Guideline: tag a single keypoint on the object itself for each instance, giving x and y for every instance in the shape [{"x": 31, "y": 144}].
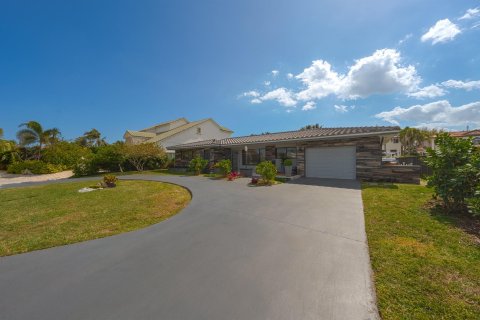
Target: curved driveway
[{"x": 292, "y": 251}]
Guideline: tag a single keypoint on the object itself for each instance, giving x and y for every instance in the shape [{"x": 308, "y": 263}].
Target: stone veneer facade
[{"x": 368, "y": 158}]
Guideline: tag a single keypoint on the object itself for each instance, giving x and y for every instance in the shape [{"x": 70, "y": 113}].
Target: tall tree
[
  {"x": 53, "y": 135},
  {"x": 32, "y": 133},
  {"x": 92, "y": 138}
]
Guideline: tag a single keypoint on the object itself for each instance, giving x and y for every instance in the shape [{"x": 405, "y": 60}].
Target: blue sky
[{"x": 253, "y": 66}]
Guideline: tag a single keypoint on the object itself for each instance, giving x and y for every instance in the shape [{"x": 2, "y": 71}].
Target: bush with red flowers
[{"x": 233, "y": 175}]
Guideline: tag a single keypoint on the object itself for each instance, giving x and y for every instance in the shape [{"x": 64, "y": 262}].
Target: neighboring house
[
  {"x": 474, "y": 134},
  {"x": 341, "y": 153},
  {"x": 392, "y": 147},
  {"x": 176, "y": 132}
]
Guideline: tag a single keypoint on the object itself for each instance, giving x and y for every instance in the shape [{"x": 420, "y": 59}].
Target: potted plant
[
  {"x": 110, "y": 180},
  {"x": 287, "y": 163}
]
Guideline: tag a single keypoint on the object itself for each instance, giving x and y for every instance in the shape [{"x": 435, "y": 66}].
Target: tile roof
[
  {"x": 291, "y": 135},
  {"x": 461, "y": 134}
]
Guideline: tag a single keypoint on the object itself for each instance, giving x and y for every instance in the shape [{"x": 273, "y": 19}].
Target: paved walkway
[
  {"x": 14, "y": 180},
  {"x": 291, "y": 251}
]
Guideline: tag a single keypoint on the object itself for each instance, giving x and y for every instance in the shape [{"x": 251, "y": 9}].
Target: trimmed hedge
[{"x": 35, "y": 167}]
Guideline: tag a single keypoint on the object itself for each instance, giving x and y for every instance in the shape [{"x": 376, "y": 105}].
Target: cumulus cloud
[
  {"x": 290, "y": 75},
  {"x": 431, "y": 91},
  {"x": 310, "y": 105},
  {"x": 379, "y": 73},
  {"x": 456, "y": 84},
  {"x": 470, "y": 14},
  {"x": 266, "y": 83},
  {"x": 435, "y": 114},
  {"x": 342, "y": 108},
  {"x": 283, "y": 96},
  {"x": 443, "y": 31},
  {"x": 275, "y": 73}
]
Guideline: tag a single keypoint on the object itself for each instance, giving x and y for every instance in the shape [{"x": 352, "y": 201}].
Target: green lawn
[
  {"x": 424, "y": 266},
  {"x": 33, "y": 218}
]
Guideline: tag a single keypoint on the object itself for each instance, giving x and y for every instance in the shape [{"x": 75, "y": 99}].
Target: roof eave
[{"x": 368, "y": 134}]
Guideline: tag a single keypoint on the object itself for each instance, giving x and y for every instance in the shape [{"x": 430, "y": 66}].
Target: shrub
[
  {"x": 455, "y": 170},
  {"x": 110, "y": 157},
  {"x": 225, "y": 166},
  {"x": 110, "y": 180},
  {"x": 197, "y": 165},
  {"x": 287, "y": 162},
  {"x": 267, "y": 170},
  {"x": 64, "y": 153},
  {"x": 35, "y": 167},
  {"x": 85, "y": 166}
]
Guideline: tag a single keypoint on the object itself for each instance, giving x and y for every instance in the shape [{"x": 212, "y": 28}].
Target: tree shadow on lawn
[
  {"x": 379, "y": 185},
  {"x": 460, "y": 219}
]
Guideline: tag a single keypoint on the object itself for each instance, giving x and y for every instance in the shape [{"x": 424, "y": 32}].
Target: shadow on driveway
[{"x": 332, "y": 183}]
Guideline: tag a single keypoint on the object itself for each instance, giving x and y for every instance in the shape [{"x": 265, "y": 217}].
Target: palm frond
[
  {"x": 27, "y": 137},
  {"x": 34, "y": 126}
]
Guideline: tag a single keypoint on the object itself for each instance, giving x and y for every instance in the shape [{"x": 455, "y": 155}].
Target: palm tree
[
  {"x": 53, "y": 135},
  {"x": 33, "y": 133},
  {"x": 92, "y": 138}
]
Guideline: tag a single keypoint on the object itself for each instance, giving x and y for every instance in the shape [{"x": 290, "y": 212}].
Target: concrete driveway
[{"x": 292, "y": 251}]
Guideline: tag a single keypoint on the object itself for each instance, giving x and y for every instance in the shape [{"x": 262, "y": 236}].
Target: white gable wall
[{"x": 209, "y": 130}]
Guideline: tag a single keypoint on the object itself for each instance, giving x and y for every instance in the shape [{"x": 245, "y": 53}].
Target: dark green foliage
[
  {"x": 267, "y": 170},
  {"x": 197, "y": 165},
  {"x": 225, "y": 166},
  {"x": 85, "y": 166},
  {"x": 287, "y": 162},
  {"x": 35, "y": 167},
  {"x": 455, "y": 170},
  {"x": 110, "y": 157},
  {"x": 64, "y": 153}
]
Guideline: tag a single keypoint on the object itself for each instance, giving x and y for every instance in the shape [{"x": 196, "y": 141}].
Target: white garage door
[{"x": 330, "y": 162}]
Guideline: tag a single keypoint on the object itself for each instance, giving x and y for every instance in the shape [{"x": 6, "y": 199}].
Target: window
[
  {"x": 186, "y": 155},
  {"x": 395, "y": 140},
  {"x": 253, "y": 156},
  {"x": 199, "y": 130},
  {"x": 286, "y": 153}
]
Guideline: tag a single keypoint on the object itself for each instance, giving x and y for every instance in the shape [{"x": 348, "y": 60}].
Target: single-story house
[
  {"x": 339, "y": 153},
  {"x": 178, "y": 131}
]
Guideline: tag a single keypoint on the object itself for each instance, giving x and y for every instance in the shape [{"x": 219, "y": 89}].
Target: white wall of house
[
  {"x": 204, "y": 131},
  {"x": 392, "y": 147}
]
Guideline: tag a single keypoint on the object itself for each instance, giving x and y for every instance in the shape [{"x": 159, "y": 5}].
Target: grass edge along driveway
[
  {"x": 424, "y": 266},
  {"x": 39, "y": 217}
]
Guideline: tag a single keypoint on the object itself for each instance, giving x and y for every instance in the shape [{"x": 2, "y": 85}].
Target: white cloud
[
  {"x": 456, "y": 84},
  {"x": 320, "y": 81},
  {"x": 282, "y": 96},
  {"x": 310, "y": 105},
  {"x": 266, "y": 83},
  {"x": 256, "y": 101},
  {"x": 471, "y": 13},
  {"x": 289, "y": 75},
  {"x": 342, "y": 108},
  {"x": 443, "y": 31},
  {"x": 379, "y": 73},
  {"x": 405, "y": 39},
  {"x": 434, "y": 114},
  {"x": 251, "y": 93},
  {"x": 275, "y": 73},
  {"x": 430, "y": 91}
]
